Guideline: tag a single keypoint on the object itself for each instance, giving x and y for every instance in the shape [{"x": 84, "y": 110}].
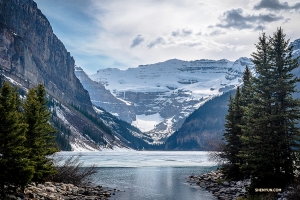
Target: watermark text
[{"x": 267, "y": 189}]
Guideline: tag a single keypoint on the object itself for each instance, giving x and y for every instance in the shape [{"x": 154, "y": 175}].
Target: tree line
[
  {"x": 26, "y": 138},
  {"x": 261, "y": 134}
]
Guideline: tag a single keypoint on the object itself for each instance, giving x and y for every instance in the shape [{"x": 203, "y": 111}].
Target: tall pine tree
[
  {"x": 269, "y": 134},
  {"x": 15, "y": 168},
  {"x": 285, "y": 107},
  {"x": 40, "y": 140}
]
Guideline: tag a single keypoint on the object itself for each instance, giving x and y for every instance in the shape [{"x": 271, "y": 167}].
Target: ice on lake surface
[{"x": 143, "y": 158}]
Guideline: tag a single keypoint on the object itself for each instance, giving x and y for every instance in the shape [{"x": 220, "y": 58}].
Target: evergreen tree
[
  {"x": 269, "y": 133},
  {"x": 48, "y": 130},
  {"x": 232, "y": 137},
  {"x": 40, "y": 140},
  {"x": 258, "y": 130},
  {"x": 15, "y": 169},
  {"x": 285, "y": 108}
]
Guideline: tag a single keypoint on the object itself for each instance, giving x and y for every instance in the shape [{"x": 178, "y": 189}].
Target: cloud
[
  {"x": 186, "y": 32},
  {"x": 260, "y": 28},
  {"x": 193, "y": 44},
  {"x": 156, "y": 42},
  {"x": 275, "y": 5},
  {"x": 182, "y": 32},
  {"x": 176, "y": 33},
  {"x": 137, "y": 41},
  {"x": 141, "y": 32},
  {"x": 236, "y": 19},
  {"x": 216, "y": 32}
]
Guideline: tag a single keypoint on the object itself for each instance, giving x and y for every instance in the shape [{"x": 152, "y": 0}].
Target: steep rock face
[{"x": 30, "y": 53}]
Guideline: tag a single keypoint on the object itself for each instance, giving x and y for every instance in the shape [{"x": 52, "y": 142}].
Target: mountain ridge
[{"x": 160, "y": 96}]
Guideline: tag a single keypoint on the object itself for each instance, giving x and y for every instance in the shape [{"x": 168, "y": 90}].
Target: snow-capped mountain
[{"x": 160, "y": 96}]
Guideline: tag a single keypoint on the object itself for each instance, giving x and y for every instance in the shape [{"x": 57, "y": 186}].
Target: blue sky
[{"x": 127, "y": 33}]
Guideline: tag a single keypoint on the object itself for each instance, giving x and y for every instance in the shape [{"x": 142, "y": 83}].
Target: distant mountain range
[
  {"x": 157, "y": 98},
  {"x": 180, "y": 103}
]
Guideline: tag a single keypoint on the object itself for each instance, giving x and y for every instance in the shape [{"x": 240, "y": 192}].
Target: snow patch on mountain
[
  {"x": 161, "y": 95},
  {"x": 79, "y": 146},
  {"x": 147, "y": 122}
]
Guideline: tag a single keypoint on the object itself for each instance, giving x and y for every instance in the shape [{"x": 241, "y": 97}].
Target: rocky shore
[
  {"x": 221, "y": 189},
  {"x": 61, "y": 191},
  {"x": 233, "y": 190}
]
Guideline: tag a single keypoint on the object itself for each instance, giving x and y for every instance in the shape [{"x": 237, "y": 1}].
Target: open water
[{"x": 149, "y": 175}]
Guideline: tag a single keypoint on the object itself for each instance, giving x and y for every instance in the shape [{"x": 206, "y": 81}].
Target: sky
[{"x": 128, "y": 33}]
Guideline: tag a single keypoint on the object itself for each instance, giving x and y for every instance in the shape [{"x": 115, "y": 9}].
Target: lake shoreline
[
  {"x": 223, "y": 190},
  {"x": 228, "y": 190}
]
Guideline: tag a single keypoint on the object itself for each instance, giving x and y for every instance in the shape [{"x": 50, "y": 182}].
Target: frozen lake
[{"x": 149, "y": 175}]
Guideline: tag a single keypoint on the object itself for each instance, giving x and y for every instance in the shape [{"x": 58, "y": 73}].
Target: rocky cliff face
[{"x": 30, "y": 53}]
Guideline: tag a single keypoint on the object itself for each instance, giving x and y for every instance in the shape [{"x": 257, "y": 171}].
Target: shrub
[{"x": 72, "y": 171}]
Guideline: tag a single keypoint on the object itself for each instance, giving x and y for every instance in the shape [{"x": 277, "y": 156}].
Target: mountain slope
[
  {"x": 126, "y": 133},
  {"x": 202, "y": 126},
  {"x": 103, "y": 98},
  {"x": 160, "y": 96}
]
